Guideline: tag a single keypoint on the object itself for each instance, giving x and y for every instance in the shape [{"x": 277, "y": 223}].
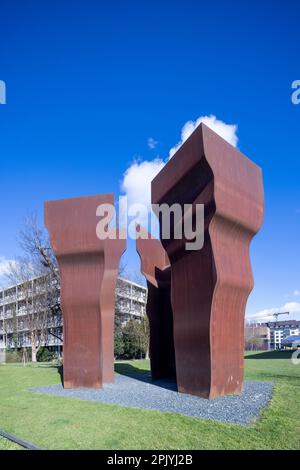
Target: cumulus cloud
[
  {"x": 136, "y": 186},
  {"x": 5, "y": 265},
  {"x": 152, "y": 143},
  {"x": 227, "y": 131},
  {"x": 137, "y": 179},
  {"x": 267, "y": 314},
  {"x": 136, "y": 183}
]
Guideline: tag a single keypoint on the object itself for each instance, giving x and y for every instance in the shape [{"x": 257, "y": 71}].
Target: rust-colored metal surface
[
  {"x": 155, "y": 266},
  {"x": 88, "y": 269},
  {"x": 210, "y": 286}
]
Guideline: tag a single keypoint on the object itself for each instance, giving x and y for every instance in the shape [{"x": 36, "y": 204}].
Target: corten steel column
[
  {"x": 88, "y": 270},
  {"x": 210, "y": 287},
  {"x": 155, "y": 266}
]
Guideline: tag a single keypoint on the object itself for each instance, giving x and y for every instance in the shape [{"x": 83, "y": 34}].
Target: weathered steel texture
[
  {"x": 210, "y": 287},
  {"x": 88, "y": 269},
  {"x": 155, "y": 266}
]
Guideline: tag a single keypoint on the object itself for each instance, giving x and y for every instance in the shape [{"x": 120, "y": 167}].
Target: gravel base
[{"x": 162, "y": 396}]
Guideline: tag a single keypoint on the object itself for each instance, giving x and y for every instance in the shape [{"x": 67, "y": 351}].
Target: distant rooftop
[{"x": 294, "y": 323}]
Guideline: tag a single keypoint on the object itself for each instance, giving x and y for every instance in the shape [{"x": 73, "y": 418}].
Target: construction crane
[{"x": 276, "y": 315}]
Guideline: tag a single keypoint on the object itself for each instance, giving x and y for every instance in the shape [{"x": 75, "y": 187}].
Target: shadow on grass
[
  {"x": 294, "y": 380},
  {"x": 132, "y": 371},
  {"x": 129, "y": 370},
  {"x": 270, "y": 355},
  {"x": 144, "y": 375},
  {"x": 59, "y": 369}
]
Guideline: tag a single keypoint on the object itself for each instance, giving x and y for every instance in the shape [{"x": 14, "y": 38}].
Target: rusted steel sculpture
[
  {"x": 88, "y": 269},
  {"x": 155, "y": 266},
  {"x": 210, "y": 286}
]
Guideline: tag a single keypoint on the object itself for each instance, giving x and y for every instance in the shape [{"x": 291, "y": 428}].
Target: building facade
[
  {"x": 270, "y": 335},
  {"x": 17, "y": 301},
  {"x": 257, "y": 337},
  {"x": 281, "y": 330},
  {"x": 131, "y": 299}
]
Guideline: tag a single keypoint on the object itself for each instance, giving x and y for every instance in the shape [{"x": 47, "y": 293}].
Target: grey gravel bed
[{"x": 162, "y": 396}]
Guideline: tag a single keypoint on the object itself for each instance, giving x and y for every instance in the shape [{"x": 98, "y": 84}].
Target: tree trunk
[
  {"x": 33, "y": 354},
  {"x": 34, "y": 349},
  {"x": 147, "y": 355}
]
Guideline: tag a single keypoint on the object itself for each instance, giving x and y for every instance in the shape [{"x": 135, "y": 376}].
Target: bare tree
[
  {"x": 256, "y": 337},
  {"x": 38, "y": 277},
  {"x": 37, "y": 274},
  {"x": 35, "y": 243},
  {"x": 135, "y": 276}
]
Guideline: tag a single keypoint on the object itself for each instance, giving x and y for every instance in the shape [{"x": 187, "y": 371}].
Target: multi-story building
[
  {"x": 131, "y": 300},
  {"x": 17, "y": 301},
  {"x": 281, "y": 330},
  {"x": 270, "y": 335},
  {"x": 257, "y": 337}
]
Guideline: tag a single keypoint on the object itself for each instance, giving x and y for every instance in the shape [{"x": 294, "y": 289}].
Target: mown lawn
[
  {"x": 63, "y": 423},
  {"x": 7, "y": 445}
]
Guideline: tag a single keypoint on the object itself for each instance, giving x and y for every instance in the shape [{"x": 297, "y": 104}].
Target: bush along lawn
[{"x": 62, "y": 423}]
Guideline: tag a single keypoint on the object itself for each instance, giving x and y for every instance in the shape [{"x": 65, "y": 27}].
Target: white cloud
[
  {"x": 152, "y": 143},
  {"x": 4, "y": 265},
  {"x": 296, "y": 293},
  {"x": 267, "y": 314},
  {"x": 227, "y": 131},
  {"x": 136, "y": 183},
  {"x": 137, "y": 179}
]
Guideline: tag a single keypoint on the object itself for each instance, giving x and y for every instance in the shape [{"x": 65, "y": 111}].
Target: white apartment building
[
  {"x": 131, "y": 299},
  {"x": 130, "y": 304},
  {"x": 281, "y": 330}
]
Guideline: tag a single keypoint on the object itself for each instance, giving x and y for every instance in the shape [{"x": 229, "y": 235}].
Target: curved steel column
[
  {"x": 155, "y": 266},
  {"x": 210, "y": 287},
  {"x": 88, "y": 270}
]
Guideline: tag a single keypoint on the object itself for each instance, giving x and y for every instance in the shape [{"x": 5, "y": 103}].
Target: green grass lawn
[
  {"x": 7, "y": 445},
  {"x": 64, "y": 423}
]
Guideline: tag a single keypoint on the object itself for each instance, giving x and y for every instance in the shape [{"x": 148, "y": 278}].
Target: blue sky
[{"x": 88, "y": 83}]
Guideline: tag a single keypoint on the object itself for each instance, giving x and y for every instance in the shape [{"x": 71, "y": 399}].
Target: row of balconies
[
  {"x": 7, "y": 313},
  {"x": 23, "y": 338},
  {"x": 17, "y": 294},
  {"x": 13, "y": 298},
  {"x": 138, "y": 298},
  {"x": 131, "y": 311},
  {"x": 6, "y": 326},
  {"x": 286, "y": 333},
  {"x": 27, "y": 344},
  {"x": 131, "y": 293},
  {"x": 135, "y": 296},
  {"x": 9, "y": 329},
  {"x": 124, "y": 304}
]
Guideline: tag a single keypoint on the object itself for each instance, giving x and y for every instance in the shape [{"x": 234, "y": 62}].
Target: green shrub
[
  {"x": 13, "y": 355},
  {"x": 44, "y": 355}
]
